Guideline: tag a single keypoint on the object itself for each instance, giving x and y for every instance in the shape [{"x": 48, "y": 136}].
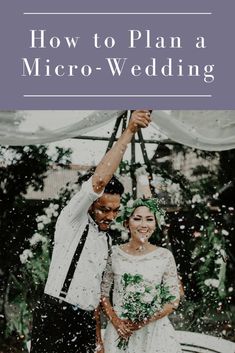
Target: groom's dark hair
[{"x": 114, "y": 186}]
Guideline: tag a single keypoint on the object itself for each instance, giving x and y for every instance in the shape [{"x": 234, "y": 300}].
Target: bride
[{"x": 153, "y": 265}]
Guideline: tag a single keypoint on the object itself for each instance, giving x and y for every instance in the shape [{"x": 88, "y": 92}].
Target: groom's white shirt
[{"x": 84, "y": 290}]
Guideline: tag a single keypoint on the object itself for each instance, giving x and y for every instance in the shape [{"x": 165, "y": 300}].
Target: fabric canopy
[{"x": 206, "y": 129}]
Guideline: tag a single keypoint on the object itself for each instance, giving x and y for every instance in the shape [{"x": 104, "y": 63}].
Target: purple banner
[{"x": 105, "y": 55}]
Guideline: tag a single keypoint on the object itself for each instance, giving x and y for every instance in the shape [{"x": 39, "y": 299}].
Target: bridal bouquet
[{"x": 141, "y": 300}]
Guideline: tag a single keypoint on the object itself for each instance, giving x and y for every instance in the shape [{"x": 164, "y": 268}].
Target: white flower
[
  {"x": 130, "y": 203},
  {"x": 217, "y": 246},
  {"x": 207, "y": 282},
  {"x": 49, "y": 212},
  {"x": 212, "y": 282},
  {"x": 223, "y": 253},
  {"x": 39, "y": 219},
  {"x": 196, "y": 198},
  {"x": 40, "y": 226},
  {"x": 52, "y": 210},
  {"x": 45, "y": 219},
  {"x": 147, "y": 298},
  {"x": 161, "y": 220},
  {"x": 219, "y": 261},
  {"x": 140, "y": 288},
  {"x": 225, "y": 232},
  {"x": 26, "y": 254},
  {"x": 133, "y": 288},
  {"x": 215, "y": 283},
  {"x": 130, "y": 288},
  {"x": 36, "y": 238}
]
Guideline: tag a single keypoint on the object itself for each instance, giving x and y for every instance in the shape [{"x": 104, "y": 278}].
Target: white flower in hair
[{"x": 130, "y": 203}]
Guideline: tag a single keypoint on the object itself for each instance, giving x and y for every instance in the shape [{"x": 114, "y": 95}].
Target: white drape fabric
[
  {"x": 44, "y": 126},
  {"x": 212, "y": 130}
]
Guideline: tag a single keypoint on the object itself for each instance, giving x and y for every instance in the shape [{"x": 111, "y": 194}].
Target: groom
[{"x": 64, "y": 319}]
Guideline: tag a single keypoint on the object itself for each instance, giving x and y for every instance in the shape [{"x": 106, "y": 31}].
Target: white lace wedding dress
[{"x": 156, "y": 267}]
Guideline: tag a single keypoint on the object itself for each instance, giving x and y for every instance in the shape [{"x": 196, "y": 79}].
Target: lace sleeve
[
  {"x": 107, "y": 279},
  {"x": 170, "y": 277}
]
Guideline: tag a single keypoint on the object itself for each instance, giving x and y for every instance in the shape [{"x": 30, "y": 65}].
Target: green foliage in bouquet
[{"x": 141, "y": 300}]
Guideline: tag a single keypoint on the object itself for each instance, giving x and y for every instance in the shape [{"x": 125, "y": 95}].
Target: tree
[{"x": 20, "y": 167}]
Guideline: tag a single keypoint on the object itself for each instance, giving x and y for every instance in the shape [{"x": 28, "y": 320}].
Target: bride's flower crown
[{"x": 152, "y": 204}]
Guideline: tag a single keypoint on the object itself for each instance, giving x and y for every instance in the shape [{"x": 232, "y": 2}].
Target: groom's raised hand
[{"x": 139, "y": 119}]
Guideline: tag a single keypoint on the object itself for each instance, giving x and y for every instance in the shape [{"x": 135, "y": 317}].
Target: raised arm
[{"x": 110, "y": 162}]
